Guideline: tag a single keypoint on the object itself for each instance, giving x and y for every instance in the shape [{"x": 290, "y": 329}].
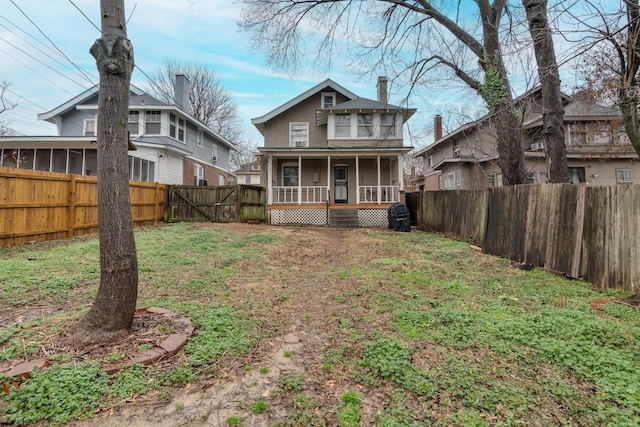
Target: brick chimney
[
  {"x": 437, "y": 127},
  {"x": 181, "y": 97},
  {"x": 383, "y": 96}
]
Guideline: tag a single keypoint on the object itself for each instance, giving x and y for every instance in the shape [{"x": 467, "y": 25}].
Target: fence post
[
  {"x": 156, "y": 200},
  {"x": 72, "y": 205}
]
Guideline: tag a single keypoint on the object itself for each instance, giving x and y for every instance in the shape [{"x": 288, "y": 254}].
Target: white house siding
[{"x": 170, "y": 169}]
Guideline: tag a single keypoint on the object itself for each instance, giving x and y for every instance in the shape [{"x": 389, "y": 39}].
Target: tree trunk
[
  {"x": 111, "y": 314},
  {"x": 552, "y": 109},
  {"x": 496, "y": 91},
  {"x": 629, "y": 91}
]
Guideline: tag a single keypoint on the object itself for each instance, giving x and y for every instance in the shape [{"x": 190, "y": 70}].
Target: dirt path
[{"x": 297, "y": 301}]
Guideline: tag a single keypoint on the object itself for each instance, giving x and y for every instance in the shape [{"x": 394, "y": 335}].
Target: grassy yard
[{"x": 389, "y": 329}]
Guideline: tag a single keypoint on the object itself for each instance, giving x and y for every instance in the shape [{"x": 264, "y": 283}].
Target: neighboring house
[
  {"x": 167, "y": 144},
  {"x": 249, "y": 173},
  {"x": 328, "y": 149},
  {"x": 598, "y": 150}
]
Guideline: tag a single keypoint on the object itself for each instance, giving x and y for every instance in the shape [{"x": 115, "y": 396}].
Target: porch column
[
  {"x": 329, "y": 179},
  {"x": 379, "y": 189},
  {"x": 269, "y": 179},
  {"x": 400, "y": 172},
  {"x": 299, "y": 180},
  {"x": 357, "y": 180}
]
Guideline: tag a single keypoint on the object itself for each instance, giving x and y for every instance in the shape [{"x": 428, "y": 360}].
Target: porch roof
[{"x": 336, "y": 151}]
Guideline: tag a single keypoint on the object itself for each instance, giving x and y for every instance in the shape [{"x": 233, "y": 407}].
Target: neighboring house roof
[
  {"x": 361, "y": 104},
  {"x": 138, "y": 98},
  {"x": 258, "y": 122},
  {"x": 247, "y": 169},
  {"x": 579, "y": 110}
]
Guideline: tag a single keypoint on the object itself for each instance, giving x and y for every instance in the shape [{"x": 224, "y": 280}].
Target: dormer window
[{"x": 328, "y": 100}]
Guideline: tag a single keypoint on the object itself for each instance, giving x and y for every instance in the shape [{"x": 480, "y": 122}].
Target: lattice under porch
[{"x": 371, "y": 215}]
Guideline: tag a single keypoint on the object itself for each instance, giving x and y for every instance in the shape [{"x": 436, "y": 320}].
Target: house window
[
  {"x": 343, "y": 126},
  {"x": 198, "y": 175},
  {"x": 388, "y": 125},
  {"x": 200, "y": 137},
  {"x": 451, "y": 181},
  {"x": 89, "y": 128},
  {"x": 255, "y": 167},
  {"x": 290, "y": 176},
  {"x": 214, "y": 156},
  {"x": 577, "y": 134},
  {"x": 221, "y": 180},
  {"x": 152, "y": 122},
  {"x": 576, "y": 175},
  {"x": 172, "y": 125},
  {"x": 623, "y": 175},
  {"x": 43, "y": 159},
  {"x": 26, "y": 157},
  {"x": 181, "y": 130},
  {"x": 430, "y": 160},
  {"x": 10, "y": 157},
  {"x": 328, "y": 100},
  {"x": 299, "y": 134},
  {"x": 247, "y": 179},
  {"x": 133, "y": 125},
  {"x": 365, "y": 125}
]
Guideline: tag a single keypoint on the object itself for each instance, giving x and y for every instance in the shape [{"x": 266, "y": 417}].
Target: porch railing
[
  {"x": 369, "y": 194},
  {"x": 308, "y": 194}
]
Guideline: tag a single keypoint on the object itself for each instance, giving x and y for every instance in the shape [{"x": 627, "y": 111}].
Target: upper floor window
[
  {"x": 214, "y": 157},
  {"x": 343, "y": 125},
  {"x": 255, "y": 167},
  {"x": 200, "y": 137},
  {"x": 388, "y": 125},
  {"x": 133, "y": 125},
  {"x": 365, "y": 125},
  {"x": 152, "y": 122},
  {"x": 623, "y": 175},
  {"x": 328, "y": 100},
  {"x": 577, "y": 134},
  {"x": 181, "y": 130},
  {"x": 172, "y": 125},
  {"x": 89, "y": 127},
  {"x": 430, "y": 160},
  {"x": 299, "y": 134}
]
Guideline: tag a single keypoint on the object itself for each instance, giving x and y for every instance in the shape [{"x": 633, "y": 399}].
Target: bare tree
[
  {"x": 5, "y": 105},
  {"x": 552, "y": 109},
  {"x": 610, "y": 69},
  {"x": 409, "y": 40},
  {"x": 111, "y": 314},
  {"x": 210, "y": 103}
]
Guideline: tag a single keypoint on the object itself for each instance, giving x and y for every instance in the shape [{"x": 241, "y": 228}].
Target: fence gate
[{"x": 215, "y": 204}]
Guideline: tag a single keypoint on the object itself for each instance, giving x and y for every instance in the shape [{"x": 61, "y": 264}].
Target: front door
[{"x": 340, "y": 184}]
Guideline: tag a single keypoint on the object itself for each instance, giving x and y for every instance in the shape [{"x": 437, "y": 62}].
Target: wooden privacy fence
[
  {"x": 216, "y": 204},
  {"x": 36, "y": 206},
  {"x": 581, "y": 231}
]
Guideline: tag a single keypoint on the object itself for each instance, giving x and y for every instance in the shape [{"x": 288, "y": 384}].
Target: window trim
[
  {"x": 620, "y": 173},
  {"x": 292, "y": 141},
  {"x": 370, "y": 135},
  {"x": 328, "y": 94},
  {"x": 84, "y": 127},
  {"x": 198, "y": 173}
]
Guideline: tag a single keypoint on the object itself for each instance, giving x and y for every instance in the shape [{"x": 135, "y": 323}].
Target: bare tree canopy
[
  {"x": 5, "y": 105},
  {"x": 111, "y": 314},
  {"x": 412, "y": 41},
  {"x": 610, "y": 69},
  {"x": 210, "y": 103}
]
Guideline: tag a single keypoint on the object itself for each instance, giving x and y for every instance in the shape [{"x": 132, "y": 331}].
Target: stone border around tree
[{"x": 19, "y": 369}]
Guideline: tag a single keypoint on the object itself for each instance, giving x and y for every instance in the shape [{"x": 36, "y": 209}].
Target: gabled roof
[
  {"x": 259, "y": 122},
  {"x": 70, "y": 104}
]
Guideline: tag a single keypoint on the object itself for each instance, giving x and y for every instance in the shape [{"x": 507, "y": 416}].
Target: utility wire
[{"x": 54, "y": 45}]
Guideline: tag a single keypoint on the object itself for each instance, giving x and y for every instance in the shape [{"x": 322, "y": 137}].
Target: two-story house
[
  {"x": 598, "y": 150},
  {"x": 167, "y": 144},
  {"x": 328, "y": 149},
  {"x": 248, "y": 173}
]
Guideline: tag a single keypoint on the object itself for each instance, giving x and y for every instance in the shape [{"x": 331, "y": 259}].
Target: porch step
[{"x": 344, "y": 218}]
